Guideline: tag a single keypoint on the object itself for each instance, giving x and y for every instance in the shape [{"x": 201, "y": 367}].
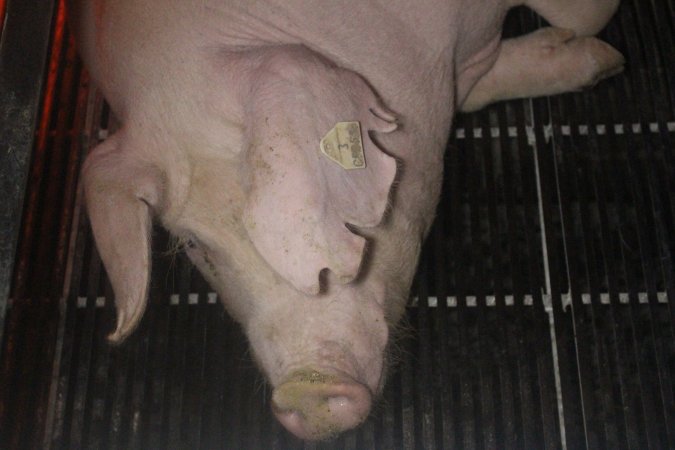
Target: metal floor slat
[
  {"x": 617, "y": 207},
  {"x": 416, "y": 394}
]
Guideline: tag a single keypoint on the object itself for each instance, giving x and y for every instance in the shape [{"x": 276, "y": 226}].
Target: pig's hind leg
[{"x": 545, "y": 62}]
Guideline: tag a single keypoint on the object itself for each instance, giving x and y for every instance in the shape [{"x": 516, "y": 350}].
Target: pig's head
[{"x": 301, "y": 249}]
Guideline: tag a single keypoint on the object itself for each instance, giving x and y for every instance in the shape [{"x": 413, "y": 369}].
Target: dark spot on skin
[
  {"x": 209, "y": 263},
  {"x": 313, "y": 377}
]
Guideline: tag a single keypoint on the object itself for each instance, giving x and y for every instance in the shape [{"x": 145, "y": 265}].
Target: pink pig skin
[{"x": 222, "y": 105}]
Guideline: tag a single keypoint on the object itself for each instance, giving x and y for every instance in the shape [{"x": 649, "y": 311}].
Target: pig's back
[{"x": 137, "y": 47}]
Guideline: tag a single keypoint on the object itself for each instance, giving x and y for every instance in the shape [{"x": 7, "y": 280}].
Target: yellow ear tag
[{"x": 343, "y": 145}]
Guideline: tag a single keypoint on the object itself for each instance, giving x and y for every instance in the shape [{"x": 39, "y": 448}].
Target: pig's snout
[{"x": 315, "y": 406}]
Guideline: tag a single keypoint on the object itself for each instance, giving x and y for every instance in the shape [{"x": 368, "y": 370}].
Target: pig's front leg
[{"x": 545, "y": 62}]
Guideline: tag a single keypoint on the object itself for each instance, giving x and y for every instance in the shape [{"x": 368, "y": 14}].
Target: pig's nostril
[
  {"x": 338, "y": 402},
  {"x": 316, "y": 410}
]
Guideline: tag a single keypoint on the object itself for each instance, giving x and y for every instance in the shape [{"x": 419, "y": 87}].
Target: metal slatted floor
[{"x": 541, "y": 315}]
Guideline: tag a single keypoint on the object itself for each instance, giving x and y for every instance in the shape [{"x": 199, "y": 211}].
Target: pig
[{"x": 295, "y": 149}]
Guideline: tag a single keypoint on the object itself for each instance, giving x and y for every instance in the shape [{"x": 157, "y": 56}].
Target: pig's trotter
[
  {"x": 120, "y": 194},
  {"x": 546, "y": 62}
]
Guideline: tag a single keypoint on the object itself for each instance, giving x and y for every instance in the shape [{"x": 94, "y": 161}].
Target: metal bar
[
  {"x": 25, "y": 38},
  {"x": 3, "y": 8}
]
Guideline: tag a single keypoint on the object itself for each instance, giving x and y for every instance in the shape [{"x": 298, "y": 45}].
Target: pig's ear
[
  {"x": 120, "y": 194},
  {"x": 300, "y": 201}
]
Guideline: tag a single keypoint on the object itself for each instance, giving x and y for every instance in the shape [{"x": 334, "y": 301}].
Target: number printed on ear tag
[{"x": 343, "y": 144}]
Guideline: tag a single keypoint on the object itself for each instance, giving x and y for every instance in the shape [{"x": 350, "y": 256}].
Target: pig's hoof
[
  {"x": 600, "y": 60},
  {"x": 575, "y": 63},
  {"x": 314, "y": 406}
]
